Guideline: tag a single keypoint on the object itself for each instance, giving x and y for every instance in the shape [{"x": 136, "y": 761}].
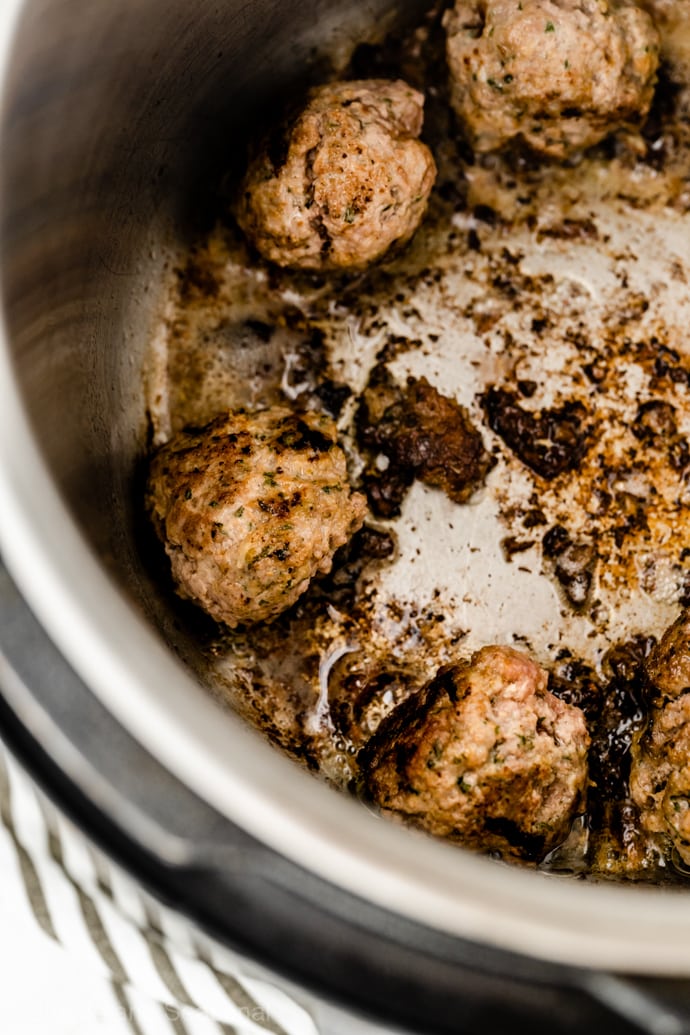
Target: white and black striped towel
[{"x": 162, "y": 977}]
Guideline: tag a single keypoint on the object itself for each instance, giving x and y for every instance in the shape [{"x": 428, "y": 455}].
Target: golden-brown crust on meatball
[
  {"x": 660, "y": 770},
  {"x": 353, "y": 180},
  {"x": 560, "y": 74},
  {"x": 250, "y": 508},
  {"x": 484, "y": 755}
]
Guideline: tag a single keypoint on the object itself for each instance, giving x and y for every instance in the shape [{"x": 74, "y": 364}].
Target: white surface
[
  {"x": 44, "y": 989},
  {"x": 84, "y": 949}
]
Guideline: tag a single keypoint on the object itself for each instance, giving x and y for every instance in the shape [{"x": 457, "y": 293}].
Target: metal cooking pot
[{"x": 114, "y": 116}]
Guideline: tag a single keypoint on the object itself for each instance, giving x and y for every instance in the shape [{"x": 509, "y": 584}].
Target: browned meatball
[
  {"x": 485, "y": 755},
  {"x": 250, "y": 508},
  {"x": 353, "y": 179},
  {"x": 660, "y": 771},
  {"x": 668, "y": 665},
  {"x": 561, "y": 74}
]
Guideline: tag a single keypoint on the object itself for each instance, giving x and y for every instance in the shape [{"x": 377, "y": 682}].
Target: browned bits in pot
[
  {"x": 655, "y": 420},
  {"x": 550, "y": 282},
  {"x": 619, "y": 844},
  {"x": 573, "y": 564},
  {"x": 484, "y": 755},
  {"x": 423, "y": 435},
  {"x": 550, "y": 442},
  {"x": 367, "y": 548},
  {"x": 363, "y": 698},
  {"x": 577, "y": 683}
]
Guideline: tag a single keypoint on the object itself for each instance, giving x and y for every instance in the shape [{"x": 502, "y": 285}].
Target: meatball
[
  {"x": 250, "y": 508},
  {"x": 484, "y": 754},
  {"x": 660, "y": 771},
  {"x": 561, "y": 74},
  {"x": 350, "y": 179},
  {"x": 668, "y": 665}
]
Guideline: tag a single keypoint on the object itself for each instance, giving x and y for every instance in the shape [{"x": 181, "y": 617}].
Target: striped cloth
[{"x": 166, "y": 976}]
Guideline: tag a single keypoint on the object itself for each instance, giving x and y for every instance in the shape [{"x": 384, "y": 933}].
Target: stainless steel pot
[{"x": 113, "y": 114}]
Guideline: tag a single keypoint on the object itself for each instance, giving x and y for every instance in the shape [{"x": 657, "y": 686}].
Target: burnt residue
[
  {"x": 549, "y": 441},
  {"x": 332, "y": 395},
  {"x": 660, "y": 360},
  {"x": 573, "y": 563},
  {"x": 655, "y": 422},
  {"x": 616, "y": 840},
  {"x": 422, "y": 434},
  {"x": 512, "y": 545},
  {"x": 631, "y": 516},
  {"x": 386, "y": 490},
  {"x": 577, "y": 683},
  {"x": 615, "y": 703},
  {"x": 533, "y": 518},
  {"x": 662, "y": 131},
  {"x": 570, "y": 230},
  {"x": 667, "y": 363},
  {"x": 370, "y": 546},
  {"x": 620, "y": 716},
  {"x": 656, "y": 427},
  {"x": 298, "y": 435},
  {"x": 197, "y": 279},
  {"x": 362, "y": 698}
]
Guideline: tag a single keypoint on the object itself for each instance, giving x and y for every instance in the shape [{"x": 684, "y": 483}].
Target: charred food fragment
[
  {"x": 660, "y": 775},
  {"x": 350, "y": 179},
  {"x": 485, "y": 755},
  {"x": 618, "y": 844},
  {"x": 250, "y": 508},
  {"x": 614, "y": 709},
  {"x": 573, "y": 563},
  {"x": 550, "y": 442},
  {"x": 560, "y": 74},
  {"x": 422, "y": 434}
]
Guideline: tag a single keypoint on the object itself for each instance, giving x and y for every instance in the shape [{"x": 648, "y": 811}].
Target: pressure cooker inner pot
[{"x": 501, "y": 398}]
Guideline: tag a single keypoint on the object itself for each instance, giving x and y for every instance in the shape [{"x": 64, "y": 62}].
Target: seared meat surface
[
  {"x": 250, "y": 508},
  {"x": 484, "y": 754},
  {"x": 351, "y": 179},
  {"x": 660, "y": 775},
  {"x": 668, "y": 666},
  {"x": 560, "y": 74}
]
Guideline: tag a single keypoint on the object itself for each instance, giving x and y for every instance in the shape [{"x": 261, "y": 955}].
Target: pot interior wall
[{"x": 118, "y": 119}]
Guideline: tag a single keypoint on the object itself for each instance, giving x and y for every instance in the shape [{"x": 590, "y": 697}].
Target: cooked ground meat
[
  {"x": 485, "y": 755},
  {"x": 660, "y": 773},
  {"x": 668, "y": 665},
  {"x": 351, "y": 180},
  {"x": 250, "y": 508},
  {"x": 424, "y": 435},
  {"x": 560, "y": 74}
]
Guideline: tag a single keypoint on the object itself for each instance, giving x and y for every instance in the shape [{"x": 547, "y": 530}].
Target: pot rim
[{"x": 633, "y": 929}]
